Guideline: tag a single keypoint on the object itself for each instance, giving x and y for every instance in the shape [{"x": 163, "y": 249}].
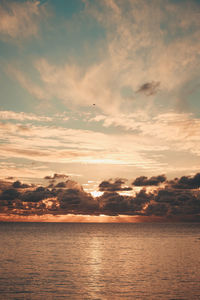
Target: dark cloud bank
[
  {"x": 113, "y": 186},
  {"x": 177, "y": 199}
]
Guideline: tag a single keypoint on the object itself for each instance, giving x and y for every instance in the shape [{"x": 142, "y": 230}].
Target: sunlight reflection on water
[{"x": 99, "y": 261}]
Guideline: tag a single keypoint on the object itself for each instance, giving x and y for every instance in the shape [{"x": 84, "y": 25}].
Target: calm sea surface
[{"x": 99, "y": 261}]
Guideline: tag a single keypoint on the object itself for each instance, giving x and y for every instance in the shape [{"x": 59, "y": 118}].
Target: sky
[{"x": 94, "y": 92}]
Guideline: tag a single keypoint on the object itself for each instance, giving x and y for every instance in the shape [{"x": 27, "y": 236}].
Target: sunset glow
[
  {"x": 99, "y": 149},
  {"x": 80, "y": 219},
  {"x": 100, "y": 111}
]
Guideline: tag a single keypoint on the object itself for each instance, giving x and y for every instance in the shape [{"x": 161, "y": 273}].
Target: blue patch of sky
[
  {"x": 59, "y": 42},
  {"x": 127, "y": 92},
  {"x": 79, "y": 40},
  {"x": 66, "y": 8},
  {"x": 193, "y": 102},
  {"x": 184, "y": 1},
  {"x": 8, "y": 50},
  {"x": 13, "y": 97},
  {"x": 178, "y": 1},
  {"x": 81, "y": 45},
  {"x": 70, "y": 33},
  {"x": 67, "y": 36}
]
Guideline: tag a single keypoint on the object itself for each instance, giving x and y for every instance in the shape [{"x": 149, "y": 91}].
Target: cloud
[
  {"x": 144, "y": 181},
  {"x": 61, "y": 184},
  {"x": 167, "y": 202},
  {"x": 149, "y": 146},
  {"x": 21, "y": 19},
  {"x": 9, "y": 194},
  {"x": 140, "y": 199},
  {"x": 152, "y": 52},
  {"x": 41, "y": 200},
  {"x": 173, "y": 202},
  {"x": 158, "y": 130},
  {"x": 27, "y": 83},
  {"x": 22, "y": 116},
  {"x": 36, "y": 195},
  {"x": 116, "y": 185},
  {"x": 69, "y": 184},
  {"x": 77, "y": 201},
  {"x": 141, "y": 50},
  {"x": 159, "y": 209},
  {"x": 5, "y": 184},
  {"x": 18, "y": 185},
  {"x": 186, "y": 182},
  {"x": 56, "y": 176},
  {"x": 149, "y": 88},
  {"x": 113, "y": 203},
  {"x": 59, "y": 144}
]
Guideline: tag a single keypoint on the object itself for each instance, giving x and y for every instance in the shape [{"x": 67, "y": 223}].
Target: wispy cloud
[
  {"x": 126, "y": 102},
  {"x": 58, "y": 144},
  {"x": 21, "y": 20},
  {"x": 185, "y": 128},
  {"x": 141, "y": 146},
  {"x": 22, "y": 116},
  {"x": 144, "y": 49},
  {"x": 141, "y": 53},
  {"x": 26, "y": 83}
]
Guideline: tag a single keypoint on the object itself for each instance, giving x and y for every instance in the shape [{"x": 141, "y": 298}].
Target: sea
[{"x": 99, "y": 261}]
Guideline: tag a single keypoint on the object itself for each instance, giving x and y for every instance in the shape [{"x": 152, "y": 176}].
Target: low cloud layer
[
  {"x": 112, "y": 186},
  {"x": 186, "y": 182},
  {"x": 55, "y": 176},
  {"x": 144, "y": 181},
  {"x": 178, "y": 198}
]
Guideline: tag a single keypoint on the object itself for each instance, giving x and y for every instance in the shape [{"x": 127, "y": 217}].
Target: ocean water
[{"x": 99, "y": 261}]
